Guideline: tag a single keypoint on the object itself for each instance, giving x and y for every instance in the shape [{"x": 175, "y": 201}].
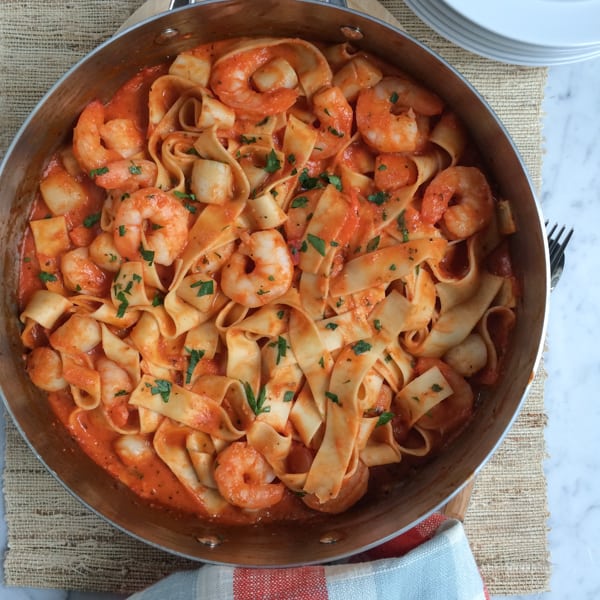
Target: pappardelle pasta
[{"x": 262, "y": 272}]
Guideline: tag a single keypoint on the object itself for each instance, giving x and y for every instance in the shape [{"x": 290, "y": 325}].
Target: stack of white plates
[{"x": 522, "y": 32}]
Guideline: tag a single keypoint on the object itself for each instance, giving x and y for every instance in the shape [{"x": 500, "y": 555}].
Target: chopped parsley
[
  {"x": 384, "y": 417},
  {"x": 135, "y": 169},
  {"x": 335, "y": 132},
  {"x": 361, "y": 347},
  {"x": 248, "y": 140},
  {"x": 307, "y": 182},
  {"x": 273, "y": 163},
  {"x": 332, "y": 326},
  {"x": 382, "y": 167},
  {"x": 333, "y": 397},
  {"x": 436, "y": 388},
  {"x": 288, "y": 396},
  {"x": 205, "y": 288},
  {"x": 161, "y": 387},
  {"x": 281, "y": 349},
  {"x": 183, "y": 196},
  {"x": 157, "y": 300},
  {"x": 195, "y": 358},
  {"x": 96, "y": 172},
  {"x": 402, "y": 226},
  {"x": 122, "y": 230},
  {"x": 123, "y": 304},
  {"x": 373, "y": 244},
  {"x": 257, "y": 404},
  {"x": 46, "y": 277},
  {"x": 317, "y": 243},
  {"x": 378, "y": 198},
  {"x": 299, "y": 202},
  {"x": 394, "y": 97},
  {"x": 91, "y": 220},
  {"x": 334, "y": 180},
  {"x": 377, "y": 324},
  {"x": 147, "y": 255}
]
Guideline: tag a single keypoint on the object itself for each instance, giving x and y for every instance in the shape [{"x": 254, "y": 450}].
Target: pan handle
[{"x": 179, "y": 3}]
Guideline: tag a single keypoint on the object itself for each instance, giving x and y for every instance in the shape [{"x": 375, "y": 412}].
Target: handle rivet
[
  {"x": 352, "y": 33},
  {"x": 212, "y": 541},
  {"x": 166, "y": 35},
  {"x": 331, "y": 537}
]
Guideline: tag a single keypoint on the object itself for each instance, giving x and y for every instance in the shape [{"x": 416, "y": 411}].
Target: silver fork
[{"x": 556, "y": 248}]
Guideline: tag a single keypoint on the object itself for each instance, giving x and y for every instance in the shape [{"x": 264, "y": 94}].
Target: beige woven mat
[{"x": 53, "y": 540}]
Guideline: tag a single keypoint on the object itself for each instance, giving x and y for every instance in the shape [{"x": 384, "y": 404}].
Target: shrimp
[
  {"x": 123, "y": 136},
  {"x": 87, "y": 142},
  {"x": 389, "y": 115},
  {"x": 461, "y": 198},
  {"x": 127, "y": 175},
  {"x": 245, "y": 479},
  {"x": 353, "y": 489},
  {"x": 92, "y": 150},
  {"x": 335, "y": 121},
  {"x": 152, "y": 225},
  {"x": 44, "y": 366},
  {"x": 231, "y": 77},
  {"x": 82, "y": 275},
  {"x": 272, "y": 269}
]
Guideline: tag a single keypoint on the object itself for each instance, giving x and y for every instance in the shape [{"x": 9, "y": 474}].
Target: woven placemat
[{"x": 55, "y": 542}]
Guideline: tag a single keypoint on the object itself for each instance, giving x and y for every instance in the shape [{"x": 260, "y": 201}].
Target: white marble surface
[{"x": 571, "y": 195}]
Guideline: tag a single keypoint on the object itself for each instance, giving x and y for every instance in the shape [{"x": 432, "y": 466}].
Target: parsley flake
[
  {"x": 378, "y": 198},
  {"x": 402, "y": 226},
  {"x": 273, "y": 163},
  {"x": 384, "y": 417},
  {"x": 161, "y": 387},
  {"x": 256, "y": 404},
  {"x": 91, "y": 220},
  {"x": 281, "y": 349},
  {"x": 205, "y": 288},
  {"x": 361, "y": 347},
  {"x": 333, "y": 397},
  {"x": 95, "y": 172},
  {"x": 46, "y": 277},
  {"x": 373, "y": 244},
  {"x": 147, "y": 255},
  {"x": 195, "y": 358},
  {"x": 317, "y": 243},
  {"x": 299, "y": 202}
]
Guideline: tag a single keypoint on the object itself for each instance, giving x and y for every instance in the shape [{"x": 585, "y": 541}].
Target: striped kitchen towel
[{"x": 429, "y": 562}]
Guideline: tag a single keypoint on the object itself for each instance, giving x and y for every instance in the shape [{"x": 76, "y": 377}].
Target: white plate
[
  {"x": 543, "y": 22},
  {"x": 470, "y": 36}
]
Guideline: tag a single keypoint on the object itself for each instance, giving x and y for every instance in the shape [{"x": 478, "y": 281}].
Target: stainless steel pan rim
[{"x": 375, "y": 520}]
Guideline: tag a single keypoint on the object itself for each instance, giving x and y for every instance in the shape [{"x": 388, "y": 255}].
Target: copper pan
[{"x": 375, "y": 519}]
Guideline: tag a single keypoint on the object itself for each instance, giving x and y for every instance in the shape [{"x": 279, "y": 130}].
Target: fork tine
[{"x": 556, "y": 246}]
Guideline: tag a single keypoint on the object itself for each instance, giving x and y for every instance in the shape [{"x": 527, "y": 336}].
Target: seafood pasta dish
[{"x": 264, "y": 278}]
